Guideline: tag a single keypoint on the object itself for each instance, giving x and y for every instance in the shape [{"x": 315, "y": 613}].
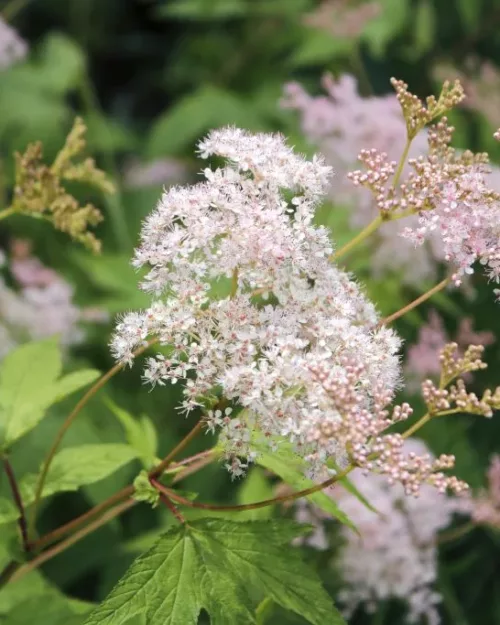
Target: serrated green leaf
[
  {"x": 264, "y": 611},
  {"x": 223, "y": 567},
  {"x": 140, "y": 434},
  {"x": 73, "y": 382},
  {"x": 27, "y": 379},
  {"x": 291, "y": 469},
  {"x": 75, "y": 467}
]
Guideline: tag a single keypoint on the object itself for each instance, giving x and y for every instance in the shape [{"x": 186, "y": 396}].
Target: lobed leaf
[{"x": 224, "y": 567}]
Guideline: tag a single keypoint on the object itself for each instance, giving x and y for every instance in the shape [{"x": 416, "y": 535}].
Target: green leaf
[
  {"x": 105, "y": 134},
  {"x": 145, "y": 491},
  {"x": 470, "y": 13},
  {"x": 49, "y": 609},
  {"x": 424, "y": 29},
  {"x": 140, "y": 433},
  {"x": 33, "y": 599},
  {"x": 27, "y": 379},
  {"x": 264, "y": 611},
  {"x": 8, "y": 511},
  {"x": 379, "y": 32},
  {"x": 188, "y": 119},
  {"x": 224, "y": 567},
  {"x": 291, "y": 468},
  {"x": 74, "y": 382},
  {"x": 319, "y": 47},
  {"x": 202, "y": 9},
  {"x": 255, "y": 487},
  {"x": 62, "y": 63},
  {"x": 75, "y": 467},
  {"x": 33, "y": 584}
]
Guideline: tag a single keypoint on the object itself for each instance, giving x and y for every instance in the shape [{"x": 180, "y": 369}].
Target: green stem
[
  {"x": 359, "y": 238},
  {"x": 198, "y": 461},
  {"x": 402, "y": 162},
  {"x": 66, "y": 425},
  {"x": 416, "y": 302},
  {"x": 164, "y": 464},
  {"x": 417, "y": 425},
  {"x": 234, "y": 283}
]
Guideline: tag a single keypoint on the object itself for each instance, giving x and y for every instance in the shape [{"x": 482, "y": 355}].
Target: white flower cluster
[
  {"x": 246, "y": 300},
  {"x": 396, "y": 556}
]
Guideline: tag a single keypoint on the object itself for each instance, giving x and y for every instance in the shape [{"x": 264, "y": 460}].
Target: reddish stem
[{"x": 16, "y": 495}]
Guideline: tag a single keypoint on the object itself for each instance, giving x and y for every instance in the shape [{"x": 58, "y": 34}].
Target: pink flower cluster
[
  {"x": 343, "y": 125},
  {"x": 395, "y": 555}
]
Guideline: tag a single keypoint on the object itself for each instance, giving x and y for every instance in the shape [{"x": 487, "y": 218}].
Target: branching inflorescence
[{"x": 250, "y": 307}]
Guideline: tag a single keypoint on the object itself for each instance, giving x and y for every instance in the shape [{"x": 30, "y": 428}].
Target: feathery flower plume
[{"x": 39, "y": 190}]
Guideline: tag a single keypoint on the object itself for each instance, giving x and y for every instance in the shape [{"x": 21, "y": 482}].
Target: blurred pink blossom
[
  {"x": 12, "y": 48},
  {"x": 343, "y": 18},
  {"x": 422, "y": 360},
  {"x": 341, "y": 124},
  {"x": 40, "y": 304},
  {"x": 164, "y": 171}
]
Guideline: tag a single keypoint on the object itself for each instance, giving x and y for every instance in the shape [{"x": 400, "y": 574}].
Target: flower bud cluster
[{"x": 417, "y": 114}]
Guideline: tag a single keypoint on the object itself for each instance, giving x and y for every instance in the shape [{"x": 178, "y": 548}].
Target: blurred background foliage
[{"x": 150, "y": 77}]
